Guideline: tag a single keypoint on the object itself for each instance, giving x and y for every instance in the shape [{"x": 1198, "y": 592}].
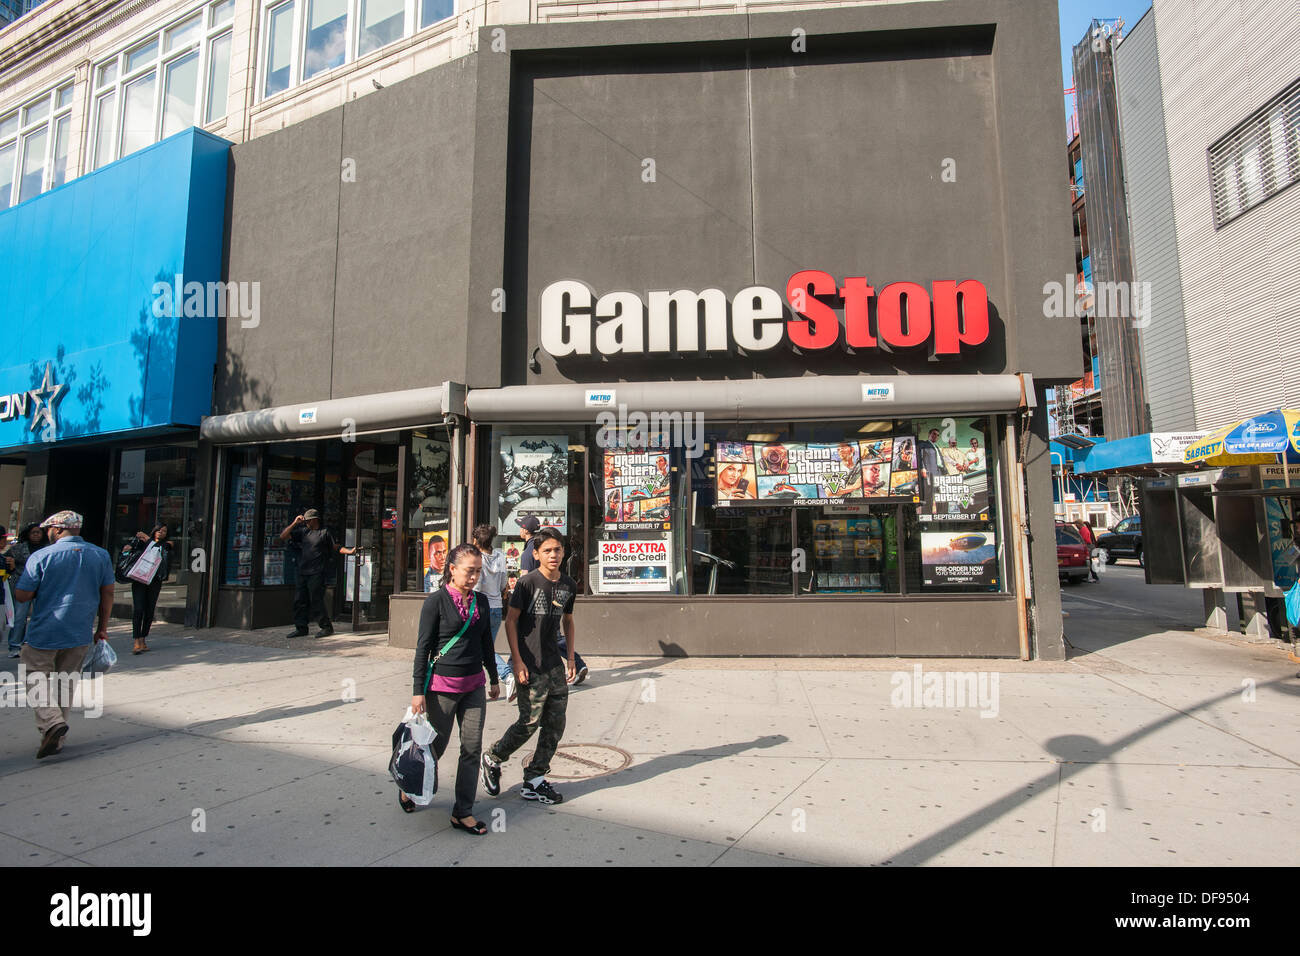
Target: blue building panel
[{"x": 91, "y": 348}]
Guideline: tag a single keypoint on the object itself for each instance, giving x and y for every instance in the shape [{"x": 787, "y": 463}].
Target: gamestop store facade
[{"x": 750, "y": 308}]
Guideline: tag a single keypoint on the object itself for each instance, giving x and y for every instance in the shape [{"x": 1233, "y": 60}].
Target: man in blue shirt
[{"x": 67, "y": 583}]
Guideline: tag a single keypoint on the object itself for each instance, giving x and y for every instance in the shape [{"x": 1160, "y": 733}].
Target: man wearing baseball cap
[
  {"x": 527, "y": 528},
  {"x": 316, "y": 546},
  {"x": 68, "y": 583}
]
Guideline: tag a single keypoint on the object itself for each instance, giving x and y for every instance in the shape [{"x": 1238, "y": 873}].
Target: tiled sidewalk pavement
[{"x": 222, "y": 747}]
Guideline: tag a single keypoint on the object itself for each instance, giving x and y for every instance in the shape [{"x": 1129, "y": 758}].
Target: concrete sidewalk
[{"x": 1148, "y": 747}]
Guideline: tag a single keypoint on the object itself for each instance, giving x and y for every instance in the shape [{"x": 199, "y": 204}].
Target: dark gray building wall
[
  {"x": 768, "y": 161},
  {"x": 1145, "y": 149},
  {"x": 282, "y": 233},
  {"x": 363, "y": 283}
]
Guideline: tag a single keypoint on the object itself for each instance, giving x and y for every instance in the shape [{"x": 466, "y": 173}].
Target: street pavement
[{"x": 1151, "y": 745}]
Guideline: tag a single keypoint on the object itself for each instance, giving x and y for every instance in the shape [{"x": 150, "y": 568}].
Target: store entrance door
[{"x": 368, "y": 574}]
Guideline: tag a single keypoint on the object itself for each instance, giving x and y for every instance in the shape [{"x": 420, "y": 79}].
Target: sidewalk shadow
[
  {"x": 1105, "y": 629},
  {"x": 1076, "y": 752},
  {"x": 641, "y": 772},
  {"x": 208, "y": 728}
]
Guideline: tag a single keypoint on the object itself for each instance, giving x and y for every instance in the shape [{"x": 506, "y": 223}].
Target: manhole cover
[{"x": 581, "y": 761}]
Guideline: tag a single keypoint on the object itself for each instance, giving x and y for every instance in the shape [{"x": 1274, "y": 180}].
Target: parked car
[
  {"x": 1071, "y": 554},
  {"x": 1123, "y": 541}
]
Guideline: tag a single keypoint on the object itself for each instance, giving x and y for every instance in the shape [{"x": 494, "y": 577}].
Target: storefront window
[
  {"x": 241, "y": 512},
  {"x": 902, "y": 506},
  {"x": 548, "y": 472},
  {"x": 254, "y": 519},
  {"x": 849, "y": 549},
  {"x": 427, "y": 519},
  {"x": 638, "y": 537},
  {"x": 156, "y": 486},
  {"x": 290, "y": 490},
  {"x": 953, "y": 541},
  {"x": 371, "y": 526}
]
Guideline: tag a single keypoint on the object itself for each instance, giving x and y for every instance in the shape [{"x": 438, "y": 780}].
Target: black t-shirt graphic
[
  {"x": 542, "y": 605},
  {"x": 316, "y": 548}
]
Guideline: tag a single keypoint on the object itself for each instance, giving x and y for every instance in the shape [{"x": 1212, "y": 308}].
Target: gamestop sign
[{"x": 822, "y": 314}]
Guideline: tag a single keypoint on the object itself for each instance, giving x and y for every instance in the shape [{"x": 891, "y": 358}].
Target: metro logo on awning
[{"x": 898, "y": 316}]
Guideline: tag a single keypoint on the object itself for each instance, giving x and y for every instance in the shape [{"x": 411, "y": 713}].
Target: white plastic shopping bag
[
  {"x": 100, "y": 659},
  {"x": 413, "y": 767},
  {"x": 9, "y": 607},
  {"x": 147, "y": 566}
]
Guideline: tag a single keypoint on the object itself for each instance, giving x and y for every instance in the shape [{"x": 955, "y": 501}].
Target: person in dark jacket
[
  {"x": 527, "y": 528},
  {"x": 31, "y": 538},
  {"x": 144, "y": 597},
  {"x": 453, "y": 687}
]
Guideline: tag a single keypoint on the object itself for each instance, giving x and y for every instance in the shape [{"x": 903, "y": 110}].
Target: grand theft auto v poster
[
  {"x": 637, "y": 489},
  {"x": 952, "y": 454},
  {"x": 812, "y": 473}
]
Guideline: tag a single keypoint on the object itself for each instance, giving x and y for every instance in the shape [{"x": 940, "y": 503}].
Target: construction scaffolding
[{"x": 1114, "y": 314}]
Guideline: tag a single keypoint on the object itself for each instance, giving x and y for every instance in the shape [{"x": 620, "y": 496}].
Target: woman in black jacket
[
  {"x": 144, "y": 597},
  {"x": 453, "y": 687}
]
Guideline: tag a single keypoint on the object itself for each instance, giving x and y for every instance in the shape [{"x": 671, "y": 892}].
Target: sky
[{"x": 1077, "y": 15}]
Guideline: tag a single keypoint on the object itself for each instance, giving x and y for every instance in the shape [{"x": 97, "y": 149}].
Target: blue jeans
[
  {"x": 22, "y": 609},
  {"x": 564, "y": 652},
  {"x": 503, "y": 663}
]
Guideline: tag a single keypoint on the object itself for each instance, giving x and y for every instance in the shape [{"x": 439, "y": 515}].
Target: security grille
[{"x": 1260, "y": 157}]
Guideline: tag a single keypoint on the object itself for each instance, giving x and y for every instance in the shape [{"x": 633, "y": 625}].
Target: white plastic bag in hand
[
  {"x": 413, "y": 767},
  {"x": 100, "y": 659}
]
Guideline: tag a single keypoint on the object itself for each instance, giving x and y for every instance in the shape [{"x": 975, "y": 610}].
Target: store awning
[
  {"x": 1146, "y": 455},
  {"x": 365, "y": 414},
  {"x": 758, "y": 399}
]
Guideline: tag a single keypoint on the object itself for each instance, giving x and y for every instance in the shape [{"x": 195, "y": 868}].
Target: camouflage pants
[{"x": 542, "y": 705}]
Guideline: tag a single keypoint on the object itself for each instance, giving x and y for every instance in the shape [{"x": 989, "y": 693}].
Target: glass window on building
[
  {"x": 538, "y": 471},
  {"x": 279, "y": 50},
  {"x": 218, "y": 79},
  {"x": 427, "y": 519},
  {"x": 241, "y": 515},
  {"x": 953, "y": 541},
  {"x": 8, "y": 153},
  {"x": 290, "y": 491},
  {"x": 435, "y": 11},
  {"x": 156, "y": 486},
  {"x": 34, "y": 146},
  {"x": 637, "y": 514},
  {"x": 852, "y": 549},
  {"x": 189, "y": 59},
  {"x": 327, "y": 36},
  {"x": 304, "y": 38},
  {"x": 382, "y": 22},
  {"x": 889, "y": 507}
]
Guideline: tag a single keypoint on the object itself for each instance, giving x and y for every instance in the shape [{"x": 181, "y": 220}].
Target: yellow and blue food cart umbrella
[{"x": 1258, "y": 440}]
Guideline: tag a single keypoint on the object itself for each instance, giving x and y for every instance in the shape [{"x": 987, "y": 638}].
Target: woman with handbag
[
  {"x": 144, "y": 593},
  {"x": 455, "y": 632}
]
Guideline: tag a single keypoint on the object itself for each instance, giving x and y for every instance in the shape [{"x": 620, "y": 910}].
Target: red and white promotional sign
[{"x": 635, "y": 566}]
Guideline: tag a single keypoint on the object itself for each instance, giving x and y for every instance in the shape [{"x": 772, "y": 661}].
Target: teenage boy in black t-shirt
[{"x": 541, "y": 603}]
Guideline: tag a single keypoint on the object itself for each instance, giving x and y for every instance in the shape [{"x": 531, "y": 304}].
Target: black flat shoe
[
  {"x": 406, "y": 805},
  {"x": 478, "y": 829}
]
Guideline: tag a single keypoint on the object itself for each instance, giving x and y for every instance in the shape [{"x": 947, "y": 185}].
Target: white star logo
[{"x": 45, "y": 401}]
